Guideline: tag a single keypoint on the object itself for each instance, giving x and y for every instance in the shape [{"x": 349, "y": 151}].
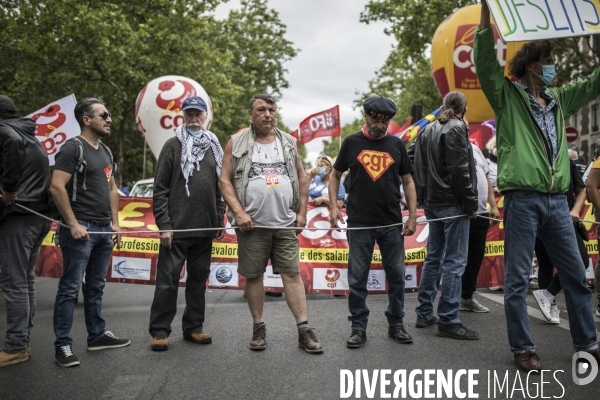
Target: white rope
[{"x": 255, "y": 226}]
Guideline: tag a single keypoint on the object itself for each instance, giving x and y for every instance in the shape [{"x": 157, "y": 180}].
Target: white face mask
[{"x": 195, "y": 134}]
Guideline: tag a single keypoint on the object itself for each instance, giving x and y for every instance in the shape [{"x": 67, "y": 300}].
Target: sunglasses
[{"x": 105, "y": 115}]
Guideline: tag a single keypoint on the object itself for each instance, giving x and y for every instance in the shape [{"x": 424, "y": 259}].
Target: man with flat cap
[
  {"x": 378, "y": 164},
  {"x": 186, "y": 196}
]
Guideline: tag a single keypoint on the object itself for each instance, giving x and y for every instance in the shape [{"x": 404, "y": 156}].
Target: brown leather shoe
[
  {"x": 308, "y": 340},
  {"x": 10, "y": 358},
  {"x": 528, "y": 361},
  {"x": 160, "y": 342},
  {"x": 259, "y": 337},
  {"x": 198, "y": 337}
]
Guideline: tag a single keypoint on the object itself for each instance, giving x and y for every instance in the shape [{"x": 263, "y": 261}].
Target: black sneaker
[
  {"x": 65, "y": 358},
  {"x": 456, "y": 331},
  {"x": 108, "y": 341},
  {"x": 357, "y": 339},
  {"x": 424, "y": 324}
]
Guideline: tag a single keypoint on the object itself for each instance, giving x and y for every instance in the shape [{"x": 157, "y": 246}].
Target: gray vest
[{"x": 242, "y": 146}]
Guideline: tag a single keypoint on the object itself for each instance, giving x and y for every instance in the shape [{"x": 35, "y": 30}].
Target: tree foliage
[{"x": 113, "y": 48}]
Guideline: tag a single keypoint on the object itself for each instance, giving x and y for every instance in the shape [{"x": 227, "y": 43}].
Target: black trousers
[
  {"x": 546, "y": 278},
  {"x": 477, "y": 234},
  {"x": 197, "y": 250}
]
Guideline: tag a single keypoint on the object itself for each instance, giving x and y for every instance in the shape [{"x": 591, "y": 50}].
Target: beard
[
  {"x": 375, "y": 132},
  {"x": 100, "y": 132}
]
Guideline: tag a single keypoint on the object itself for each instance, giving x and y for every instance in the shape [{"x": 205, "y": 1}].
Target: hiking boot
[
  {"x": 554, "y": 314},
  {"x": 259, "y": 337},
  {"x": 308, "y": 341},
  {"x": 528, "y": 361},
  {"x": 544, "y": 303},
  {"x": 160, "y": 342},
  {"x": 399, "y": 334},
  {"x": 424, "y": 324},
  {"x": 357, "y": 339},
  {"x": 472, "y": 305},
  {"x": 108, "y": 341},
  {"x": 7, "y": 359},
  {"x": 456, "y": 331},
  {"x": 198, "y": 337},
  {"x": 65, "y": 358}
]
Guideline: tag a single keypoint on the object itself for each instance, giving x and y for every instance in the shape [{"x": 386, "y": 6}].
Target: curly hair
[{"x": 530, "y": 52}]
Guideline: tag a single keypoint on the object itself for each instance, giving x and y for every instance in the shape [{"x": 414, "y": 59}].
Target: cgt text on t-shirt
[
  {"x": 93, "y": 204},
  {"x": 376, "y": 167}
]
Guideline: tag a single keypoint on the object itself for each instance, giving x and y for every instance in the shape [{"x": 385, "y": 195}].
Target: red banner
[
  {"x": 322, "y": 124},
  {"x": 323, "y": 254}
]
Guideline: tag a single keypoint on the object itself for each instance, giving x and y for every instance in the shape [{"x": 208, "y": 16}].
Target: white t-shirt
[
  {"x": 269, "y": 195},
  {"x": 483, "y": 170}
]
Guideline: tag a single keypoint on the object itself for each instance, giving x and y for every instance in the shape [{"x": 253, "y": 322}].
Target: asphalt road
[{"x": 228, "y": 369}]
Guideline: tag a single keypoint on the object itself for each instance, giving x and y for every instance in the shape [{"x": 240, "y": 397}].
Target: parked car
[{"x": 143, "y": 188}]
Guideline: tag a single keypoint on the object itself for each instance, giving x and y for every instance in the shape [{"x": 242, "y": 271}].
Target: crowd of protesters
[{"x": 259, "y": 176}]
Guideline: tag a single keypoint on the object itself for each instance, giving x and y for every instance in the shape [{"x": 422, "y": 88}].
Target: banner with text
[
  {"x": 322, "y": 124},
  {"x": 323, "y": 254},
  {"x": 545, "y": 19}
]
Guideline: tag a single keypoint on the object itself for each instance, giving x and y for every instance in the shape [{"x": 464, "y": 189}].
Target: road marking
[{"x": 533, "y": 312}]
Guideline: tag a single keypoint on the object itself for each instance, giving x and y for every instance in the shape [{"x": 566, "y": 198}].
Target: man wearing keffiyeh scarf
[{"x": 186, "y": 196}]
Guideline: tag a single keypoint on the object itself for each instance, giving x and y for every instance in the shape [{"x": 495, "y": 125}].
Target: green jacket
[{"x": 523, "y": 154}]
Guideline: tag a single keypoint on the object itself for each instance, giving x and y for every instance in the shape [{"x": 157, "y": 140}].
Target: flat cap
[
  {"x": 380, "y": 107},
  {"x": 194, "y": 102}
]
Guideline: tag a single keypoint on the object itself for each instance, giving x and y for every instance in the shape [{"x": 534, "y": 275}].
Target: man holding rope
[
  {"x": 24, "y": 180},
  {"x": 534, "y": 175},
  {"x": 85, "y": 193},
  {"x": 378, "y": 163},
  {"x": 264, "y": 183},
  {"x": 186, "y": 196}
]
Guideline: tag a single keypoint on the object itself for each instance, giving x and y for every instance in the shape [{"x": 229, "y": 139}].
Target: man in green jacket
[{"x": 533, "y": 174}]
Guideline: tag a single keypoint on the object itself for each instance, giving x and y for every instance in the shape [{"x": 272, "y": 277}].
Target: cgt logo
[
  {"x": 172, "y": 104},
  {"x": 375, "y": 162},
  {"x": 49, "y": 131},
  {"x": 581, "y": 364},
  {"x": 332, "y": 276}
]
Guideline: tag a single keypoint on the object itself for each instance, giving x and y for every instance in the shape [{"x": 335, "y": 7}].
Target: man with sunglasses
[
  {"x": 86, "y": 195},
  {"x": 378, "y": 163}
]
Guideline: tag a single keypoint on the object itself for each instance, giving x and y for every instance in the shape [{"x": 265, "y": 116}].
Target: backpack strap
[
  {"x": 80, "y": 167},
  {"x": 112, "y": 161}
]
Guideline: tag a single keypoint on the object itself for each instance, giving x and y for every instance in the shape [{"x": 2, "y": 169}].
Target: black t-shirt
[
  {"x": 576, "y": 182},
  {"x": 375, "y": 167},
  {"x": 93, "y": 204}
]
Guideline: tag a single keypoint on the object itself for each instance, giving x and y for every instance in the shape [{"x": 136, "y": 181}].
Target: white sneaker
[
  {"x": 472, "y": 305},
  {"x": 598, "y": 310},
  {"x": 554, "y": 314},
  {"x": 543, "y": 302}
]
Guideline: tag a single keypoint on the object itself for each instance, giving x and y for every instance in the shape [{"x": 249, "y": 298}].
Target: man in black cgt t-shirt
[
  {"x": 378, "y": 163},
  {"x": 88, "y": 202}
]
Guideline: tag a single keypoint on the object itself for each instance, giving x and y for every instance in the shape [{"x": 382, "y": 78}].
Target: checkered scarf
[{"x": 193, "y": 150}]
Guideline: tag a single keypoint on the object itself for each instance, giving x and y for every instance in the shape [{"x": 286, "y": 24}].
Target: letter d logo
[{"x": 580, "y": 367}]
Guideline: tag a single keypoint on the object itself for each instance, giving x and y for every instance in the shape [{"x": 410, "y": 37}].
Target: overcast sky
[{"x": 338, "y": 56}]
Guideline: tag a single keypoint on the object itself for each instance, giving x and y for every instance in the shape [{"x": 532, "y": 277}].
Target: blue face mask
[
  {"x": 548, "y": 73},
  {"x": 322, "y": 172},
  {"x": 195, "y": 133}
]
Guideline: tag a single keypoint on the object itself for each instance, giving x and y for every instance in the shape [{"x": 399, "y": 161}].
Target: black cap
[
  {"x": 380, "y": 107},
  {"x": 7, "y": 106}
]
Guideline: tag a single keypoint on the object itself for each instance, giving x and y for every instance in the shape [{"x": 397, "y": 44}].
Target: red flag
[
  {"x": 294, "y": 133},
  {"x": 394, "y": 128},
  {"x": 324, "y": 123}
]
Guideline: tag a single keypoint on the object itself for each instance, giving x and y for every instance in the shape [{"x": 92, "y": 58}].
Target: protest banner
[
  {"x": 547, "y": 19},
  {"x": 323, "y": 254},
  {"x": 55, "y": 123},
  {"x": 322, "y": 124}
]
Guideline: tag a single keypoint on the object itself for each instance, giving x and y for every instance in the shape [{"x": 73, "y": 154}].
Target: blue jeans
[
  {"x": 92, "y": 258},
  {"x": 361, "y": 245},
  {"x": 447, "y": 249},
  {"x": 528, "y": 214}
]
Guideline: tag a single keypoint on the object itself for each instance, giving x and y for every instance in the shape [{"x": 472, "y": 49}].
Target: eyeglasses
[{"x": 105, "y": 115}]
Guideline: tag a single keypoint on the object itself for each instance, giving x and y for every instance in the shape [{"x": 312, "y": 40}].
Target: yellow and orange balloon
[{"x": 452, "y": 60}]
